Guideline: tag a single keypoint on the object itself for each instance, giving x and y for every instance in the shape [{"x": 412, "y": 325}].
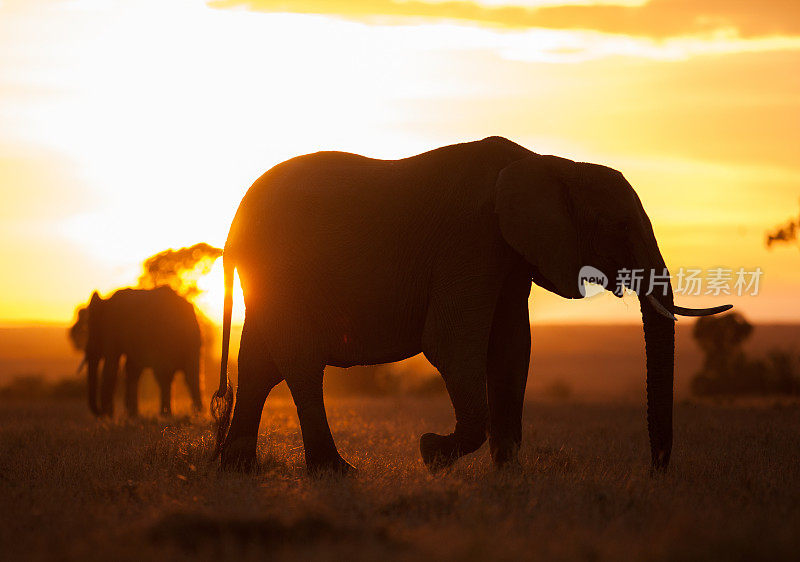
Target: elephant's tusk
[
  {"x": 660, "y": 308},
  {"x": 683, "y": 311},
  {"x": 80, "y": 367},
  {"x": 701, "y": 311}
]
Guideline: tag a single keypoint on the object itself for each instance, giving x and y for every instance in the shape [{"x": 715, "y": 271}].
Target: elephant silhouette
[
  {"x": 151, "y": 329},
  {"x": 347, "y": 260}
]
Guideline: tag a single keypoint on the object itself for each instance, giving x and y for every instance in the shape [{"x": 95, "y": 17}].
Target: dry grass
[{"x": 75, "y": 488}]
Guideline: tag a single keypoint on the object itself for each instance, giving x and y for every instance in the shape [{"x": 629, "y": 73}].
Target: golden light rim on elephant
[{"x": 209, "y": 301}]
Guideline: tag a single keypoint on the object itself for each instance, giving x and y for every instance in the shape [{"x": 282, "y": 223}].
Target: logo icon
[{"x": 591, "y": 281}]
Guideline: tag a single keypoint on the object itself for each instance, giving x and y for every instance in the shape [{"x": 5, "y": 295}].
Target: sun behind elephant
[{"x": 152, "y": 329}]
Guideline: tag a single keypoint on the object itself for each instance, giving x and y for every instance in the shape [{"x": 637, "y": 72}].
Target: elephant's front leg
[
  {"x": 507, "y": 369},
  {"x": 466, "y": 385},
  {"x": 108, "y": 384},
  {"x": 320, "y": 449},
  {"x": 164, "y": 378},
  {"x": 455, "y": 342}
]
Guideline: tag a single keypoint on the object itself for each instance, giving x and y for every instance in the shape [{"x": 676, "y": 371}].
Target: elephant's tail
[{"x": 222, "y": 401}]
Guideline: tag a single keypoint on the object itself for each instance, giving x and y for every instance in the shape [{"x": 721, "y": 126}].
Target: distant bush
[
  {"x": 68, "y": 388},
  {"x": 557, "y": 389},
  {"x": 727, "y": 370},
  {"x": 36, "y": 386}
]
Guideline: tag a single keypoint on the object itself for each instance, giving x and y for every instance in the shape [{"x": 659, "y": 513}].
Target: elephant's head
[
  {"x": 94, "y": 346},
  {"x": 562, "y": 215}
]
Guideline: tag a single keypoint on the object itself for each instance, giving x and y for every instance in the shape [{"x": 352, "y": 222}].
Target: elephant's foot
[
  {"x": 334, "y": 466},
  {"x": 238, "y": 455},
  {"x": 438, "y": 451},
  {"x": 660, "y": 462},
  {"x": 441, "y": 451},
  {"x": 505, "y": 453}
]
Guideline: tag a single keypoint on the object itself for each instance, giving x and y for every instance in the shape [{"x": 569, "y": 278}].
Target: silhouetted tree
[
  {"x": 728, "y": 371},
  {"x": 785, "y": 234},
  {"x": 180, "y": 269},
  {"x": 721, "y": 338}
]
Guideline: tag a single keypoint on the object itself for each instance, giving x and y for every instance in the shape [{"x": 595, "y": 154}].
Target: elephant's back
[
  {"x": 329, "y": 211},
  {"x": 324, "y": 188},
  {"x": 337, "y": 197},
  {"x": 157, "y": 321}
]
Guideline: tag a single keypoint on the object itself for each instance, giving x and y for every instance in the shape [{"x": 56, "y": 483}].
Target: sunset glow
[
  {"x": 210, "y": 299},
  {"x": 129, "y": 127},
  {"x": 390, "y": 394}
]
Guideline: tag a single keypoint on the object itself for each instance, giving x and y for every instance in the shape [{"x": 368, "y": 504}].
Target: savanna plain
[{"x": 74, "y": 488}]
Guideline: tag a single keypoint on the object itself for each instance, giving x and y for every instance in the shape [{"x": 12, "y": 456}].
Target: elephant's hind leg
[
  {"x": 507, "y": 369},
  {"x": 258, "y": 375},
  {"x": 191, "y": 374},
  {"x": 322, "y": 456}
]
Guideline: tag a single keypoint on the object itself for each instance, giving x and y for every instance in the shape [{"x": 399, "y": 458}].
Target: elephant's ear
[
  {"x": 535, "y": 213},
  {"x": 94, "y": 325},
  {"x": 95, "y": 303},
  {"x": 94, "y": 308}
]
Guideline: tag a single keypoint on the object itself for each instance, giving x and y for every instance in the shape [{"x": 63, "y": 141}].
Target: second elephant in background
[{"x": 152, "y": 329}]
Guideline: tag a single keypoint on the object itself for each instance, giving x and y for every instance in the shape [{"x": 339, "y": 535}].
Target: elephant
[
  {"x": 347, "y": 260},
  {"x": 151, "y": 328}
]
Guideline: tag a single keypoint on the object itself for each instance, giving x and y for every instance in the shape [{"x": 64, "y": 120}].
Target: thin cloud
[{"x": 658, "y": 19}]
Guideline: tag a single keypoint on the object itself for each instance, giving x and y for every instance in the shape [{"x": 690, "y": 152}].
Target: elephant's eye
[{"x": 613, "y": 224}]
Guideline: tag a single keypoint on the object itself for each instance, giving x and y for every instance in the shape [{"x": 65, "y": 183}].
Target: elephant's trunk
[
  {"x": 656, "y": 303},
  {"x": 92, "y": 365},
  {"x": 659, "y": 340}
]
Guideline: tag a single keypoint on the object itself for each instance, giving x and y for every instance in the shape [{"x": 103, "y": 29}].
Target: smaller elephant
[{"x": 151, "y": 328}]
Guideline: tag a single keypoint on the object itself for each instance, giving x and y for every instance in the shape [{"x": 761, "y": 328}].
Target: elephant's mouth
[{"x": 542, "y": 281}]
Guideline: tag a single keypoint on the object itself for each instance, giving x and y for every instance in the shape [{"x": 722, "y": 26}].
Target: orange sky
[{"x": 129, "y": 127}]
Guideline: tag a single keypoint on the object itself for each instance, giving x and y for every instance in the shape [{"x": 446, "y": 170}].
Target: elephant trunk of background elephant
[{"x": 92, "y": 365}]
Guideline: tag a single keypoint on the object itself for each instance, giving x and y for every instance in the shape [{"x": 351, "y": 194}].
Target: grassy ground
[{"x": 75, "y": 488}]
